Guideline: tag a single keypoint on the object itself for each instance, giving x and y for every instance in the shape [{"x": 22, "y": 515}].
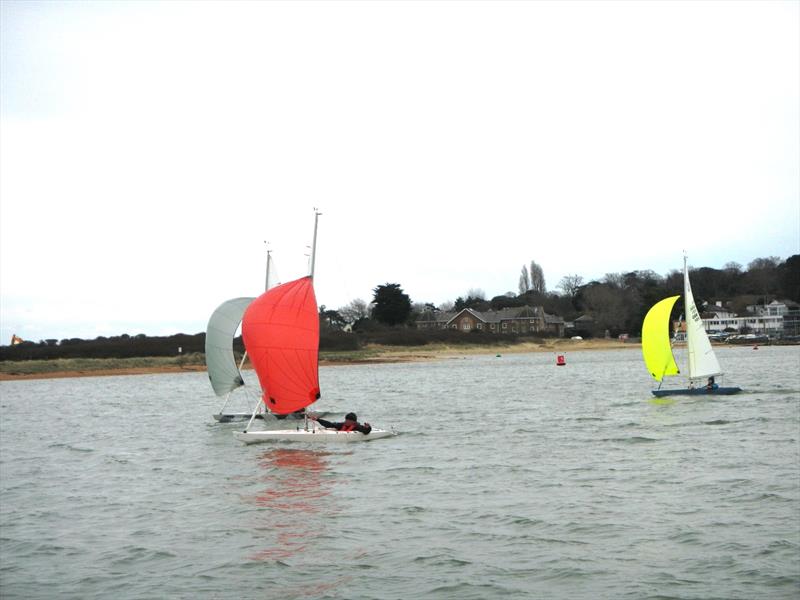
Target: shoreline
[{"x": 368, "y": 356}]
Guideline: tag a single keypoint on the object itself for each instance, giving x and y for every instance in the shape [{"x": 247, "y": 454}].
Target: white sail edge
[{"x": 702, "y": 359}]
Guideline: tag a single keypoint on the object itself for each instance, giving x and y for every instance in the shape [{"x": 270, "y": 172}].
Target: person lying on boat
[
  {"x": 350, "y": 423},
  {"x": 710, "y": 386}
]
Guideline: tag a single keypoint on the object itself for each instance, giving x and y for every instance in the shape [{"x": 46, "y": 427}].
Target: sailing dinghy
[
  {"x": 223, "y": 372},
  {"x": 280, "y": 330},
  {"x": 657, "y": 350}
]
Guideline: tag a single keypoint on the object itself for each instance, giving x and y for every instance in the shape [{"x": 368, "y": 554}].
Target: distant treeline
[
  {"x": 125, "y": 346},
  {"x": 617, "y": 304},
  {"x": 122, "y": 346}
]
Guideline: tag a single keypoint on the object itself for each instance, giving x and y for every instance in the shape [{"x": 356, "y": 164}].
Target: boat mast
[
  {"x": 314, "y": 242},
  {"x": 266, "y": 281},
  {"x": 311, "y": 274},
  {"x": 685, "y": 274},
  {"x": 687, "y": 312}
]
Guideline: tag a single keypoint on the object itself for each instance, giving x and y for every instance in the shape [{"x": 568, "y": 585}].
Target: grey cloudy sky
[{"x": 148, "y": 149}]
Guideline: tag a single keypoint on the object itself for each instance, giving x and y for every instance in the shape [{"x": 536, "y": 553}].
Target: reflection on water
[{"x": 297, "y": 486}]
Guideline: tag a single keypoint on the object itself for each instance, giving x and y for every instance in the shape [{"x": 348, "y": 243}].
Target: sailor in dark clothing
[{"x": 350, "y": 423}]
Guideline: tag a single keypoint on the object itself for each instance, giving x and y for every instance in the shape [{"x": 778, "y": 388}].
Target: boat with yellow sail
[{"x": 703, "y": 366}]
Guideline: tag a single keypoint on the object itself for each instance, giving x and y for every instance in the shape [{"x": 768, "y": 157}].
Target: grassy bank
[
  {"x": 76, "y": 367},
  {"x": 370, "y": 354}
]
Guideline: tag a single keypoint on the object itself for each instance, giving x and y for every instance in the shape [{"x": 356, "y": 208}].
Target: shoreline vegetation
[{"x": 370, "y": 354}]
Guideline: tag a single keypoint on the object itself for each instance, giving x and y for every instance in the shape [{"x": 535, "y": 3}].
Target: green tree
[
  {"x": 331, "y": 319},
  {"x": 390, "y": 305},
  {"x": 476, "y": 299},
  {"x": 506, "y": 301},
  {"x": 789, "y": 274}
]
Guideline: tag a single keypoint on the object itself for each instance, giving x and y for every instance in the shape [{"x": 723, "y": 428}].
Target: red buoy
[{"x": 561, "y": 360}]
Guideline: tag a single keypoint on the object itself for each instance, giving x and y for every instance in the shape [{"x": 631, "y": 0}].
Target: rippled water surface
[{"x": 511, "y": 478}]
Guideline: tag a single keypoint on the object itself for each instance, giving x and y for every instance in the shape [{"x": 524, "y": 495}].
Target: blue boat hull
[{"x": 720, "y": 391}]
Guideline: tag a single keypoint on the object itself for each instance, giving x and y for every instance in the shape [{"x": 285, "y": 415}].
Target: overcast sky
[{"x": 149, "y": 149}]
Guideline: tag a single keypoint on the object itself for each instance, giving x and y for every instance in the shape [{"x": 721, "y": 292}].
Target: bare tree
[
  {"x": 733, "y": 267},
  {"x": 532, "y": 280},
  {"x": 421, "y": 307},
  {"x": 608, "y": 306},
  {"x": 537, "y": 278},
  {"x": 616, "y": 280},
  {"x": 569, "y": 284},
  {"x": 354, "y": 311},
  {"x": 769, "y": 262},
  {"x": 762, "y": 273},
  {"x": 524, "y": 281}
]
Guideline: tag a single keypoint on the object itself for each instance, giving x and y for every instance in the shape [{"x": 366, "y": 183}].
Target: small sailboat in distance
[
  {"x": 280, "y": 329},
  {"x": 657, "y": 349}
]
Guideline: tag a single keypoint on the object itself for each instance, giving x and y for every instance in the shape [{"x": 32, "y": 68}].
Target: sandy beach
[{"x": 369, "y": 355}]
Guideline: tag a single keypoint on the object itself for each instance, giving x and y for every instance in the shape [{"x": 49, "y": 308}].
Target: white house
[
  {"x": 775, "y": 308},
  {"x": 761, "y": 319}
]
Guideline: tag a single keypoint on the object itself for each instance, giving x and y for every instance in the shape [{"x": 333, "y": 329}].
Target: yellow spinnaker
[{"x": 656, "y": 348}]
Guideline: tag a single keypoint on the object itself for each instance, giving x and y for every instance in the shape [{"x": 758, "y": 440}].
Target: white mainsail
[
  {"x": 702, "y": 360},
  {"x": 222, "y": 368}
]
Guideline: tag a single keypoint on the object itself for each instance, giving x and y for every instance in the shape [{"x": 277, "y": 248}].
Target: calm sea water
[{"x": 511, "y": 478}]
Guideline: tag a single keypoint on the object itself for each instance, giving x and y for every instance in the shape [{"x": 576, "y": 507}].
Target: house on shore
[
  {"x": 521, "y": 320},
  {"x": 776, "y": 319},
  {"x": 779, "y": 317}
]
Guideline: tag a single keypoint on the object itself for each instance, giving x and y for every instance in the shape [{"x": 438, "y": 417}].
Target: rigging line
[
  {"x": 225, "y": 404},
  {"x": 661, "y": 381},
  {"x": 255, "y": 410}
]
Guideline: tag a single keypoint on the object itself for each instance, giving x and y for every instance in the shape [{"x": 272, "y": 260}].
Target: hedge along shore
[{"x": 371, "y": 354}]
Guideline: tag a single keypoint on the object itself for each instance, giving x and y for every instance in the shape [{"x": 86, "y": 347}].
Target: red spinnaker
[{"x": 280, "y": 329}]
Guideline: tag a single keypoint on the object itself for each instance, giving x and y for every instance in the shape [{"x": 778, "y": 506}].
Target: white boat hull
[{"x": 316, "y": 436}]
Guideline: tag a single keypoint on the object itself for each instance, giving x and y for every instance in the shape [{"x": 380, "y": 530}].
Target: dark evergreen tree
[
  {"x": 331, "y": 319},
  {"x": 478, "y": 304},
  {"x": 506, "y": 301},
  {"x": 789, "y": 275},
  {"x": 390, "y": 305}
]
